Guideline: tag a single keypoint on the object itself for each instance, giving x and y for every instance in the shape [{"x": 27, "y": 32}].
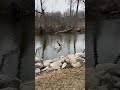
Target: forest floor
[{"x": 64, "y": 79}]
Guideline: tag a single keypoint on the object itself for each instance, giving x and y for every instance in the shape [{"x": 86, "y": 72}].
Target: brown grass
[{"x": 65, "y": 79}]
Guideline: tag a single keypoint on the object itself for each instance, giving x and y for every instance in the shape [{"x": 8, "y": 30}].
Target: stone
[
  {"x": 103, "y": 87},
  {"x": 46, "y": 63},
  {"x": 72, "y": 56},
  {"x": 39, "y": 65},
  {"x": 9, "y": 81},
  {"x": 104, "y": 67},
  {"x": 83, "y": 60},
  {"x": 29, "y": 85},
  {"x": 37, "y": 60},
  {"x": 115, "y": 78},
  {"x": 64, "y": 65},
  {"x": 115, "y": 70},
  {"x": 67, "y": 60},
  {"x": 49, "y": 61},
  {"x": 117, "y": 84},
  {"x": 82, "y": 55},
  {"x": 116, "y": 89},
  {"x": 62, "y": 57},
  {"x": 56, "y": 64},
  {"x": 9, "y": 88},
  {"x": 92, "y": 82},
  {"x": 37, "y": 71},
  {"x": 48, "y": 68},
  {"x": 100, "y": 75},
  {"x": 75, "y": 60},
  {"x": 76, "y": 65}
]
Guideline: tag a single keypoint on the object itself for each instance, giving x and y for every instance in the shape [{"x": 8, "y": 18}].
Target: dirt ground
[{"x": 65, "y": 79}]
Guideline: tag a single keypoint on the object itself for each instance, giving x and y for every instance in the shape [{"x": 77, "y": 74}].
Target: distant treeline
[
  {"x": 103, "y": 8},
  {"x": 60, "y": 22}
]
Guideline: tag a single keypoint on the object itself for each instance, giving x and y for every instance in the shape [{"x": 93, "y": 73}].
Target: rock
[
  {"x": 103, "y": 87},
  {"x": 117, "y": 84},
  {"x": 64, "y": 65},
  {"x": 75, "y": 60},
  {"x": 56, "y": 68},
  {"x": 83, "y": 60},
  {"x": 56, "y": 65},
  {"x": 27, "y": 85},
  {"x": 72, "y": 56},
  {"x": 104, "y": 67},
  {"x": 39, "y": 65},
  {"x": 116, "y": 89},
  {"x": 9, "y": 88},
  {"x": 48, "y": 68},
  {"x": 46, "y": 63},
  {"x": 67, "y": 60},
  {"x": 92, "y": 82},
  {"x": 115, "y": 70},
  {"x": 49, "y": 61},
  {"x": 116, "y": 79},
  {"x": 82, "y": 55},
  {"x": 76, "y": 65},
  {"x": 9, "y": 81},
  {"x": 62, "y": 59},
  {"x": 37, "y": 60},
  {"x": 37, "y": 71}
]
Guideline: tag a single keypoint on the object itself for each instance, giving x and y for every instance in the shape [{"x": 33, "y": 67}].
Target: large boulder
[
  {"x": 37, "y": 60},
  {"x": 64, "y": 65},
  {"x": 9, "y": 88},
  {"x": 82, "y": 55},
  {"x": 9, "y": 81},
  {"x": 56, "y": 65},
  {"x": 76, "y": 65},
  {"x": 37, "y": 71},
  {"x": 29, "y": 85},
  {"x": 48, "y": 68},
  {"x": 104, "y": 67},
  {"x": 39, "y": 65},
  {"x": 47, "y": 63}
]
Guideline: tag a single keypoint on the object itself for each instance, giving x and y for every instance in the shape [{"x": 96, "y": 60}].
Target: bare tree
[{"x": 78, "y": 1}]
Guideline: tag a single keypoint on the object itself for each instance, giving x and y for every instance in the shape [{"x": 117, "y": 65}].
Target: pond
[
  {"x": 52, "y": 46},
  {"x": 107, "y": 36}
]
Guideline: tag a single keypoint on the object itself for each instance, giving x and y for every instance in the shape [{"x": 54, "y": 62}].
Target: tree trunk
[
  {"x": 70, "y": 11},
  {"x": 78, "y": 1}
]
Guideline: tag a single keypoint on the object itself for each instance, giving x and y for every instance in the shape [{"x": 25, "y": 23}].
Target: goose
[
  {"x": 58, "y": 48},
  {"x": 38, "y": 49}
]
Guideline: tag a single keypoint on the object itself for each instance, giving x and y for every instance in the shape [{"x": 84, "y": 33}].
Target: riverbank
[
  {"x": 70, "y": 61},
  {"x": 64, "y": 73},
  {"x": 64, "y": 79},
  {"x": 103, "y": 77},
  {"x": 58, "y": 31}
]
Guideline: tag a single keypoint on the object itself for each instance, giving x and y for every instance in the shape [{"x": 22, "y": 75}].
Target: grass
[{"x": 65, "y": 79}]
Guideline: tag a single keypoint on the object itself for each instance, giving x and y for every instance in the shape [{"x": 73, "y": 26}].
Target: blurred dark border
[
  {"x": 17, "y": 24},
  {"x": 102, "y": 44}
]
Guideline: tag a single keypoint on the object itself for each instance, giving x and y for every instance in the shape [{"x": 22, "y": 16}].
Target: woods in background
[{"x": 70, "y": 20}]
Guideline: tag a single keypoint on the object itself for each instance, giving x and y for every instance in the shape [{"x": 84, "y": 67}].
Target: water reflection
[
  {"x": 103, "y": 42},
  {"x": 52, "y": 46}
]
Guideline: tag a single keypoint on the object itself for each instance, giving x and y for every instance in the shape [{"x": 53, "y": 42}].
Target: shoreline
[
  {"x": 39, "y": 33},
  {"x": 76, "y": 60}
]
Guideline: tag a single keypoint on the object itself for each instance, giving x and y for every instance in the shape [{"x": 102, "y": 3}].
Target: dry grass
[{"x": 65, "y": 79}]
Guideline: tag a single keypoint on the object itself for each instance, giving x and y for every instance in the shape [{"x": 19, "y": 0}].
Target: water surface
[{"x": 69, "y": 44}]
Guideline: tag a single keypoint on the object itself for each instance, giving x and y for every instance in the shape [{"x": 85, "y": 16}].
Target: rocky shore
[
  {"x": 70, "y": 61},
  {"x": 8, "y": 82},
  {"x": 103, "y": 77}
]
